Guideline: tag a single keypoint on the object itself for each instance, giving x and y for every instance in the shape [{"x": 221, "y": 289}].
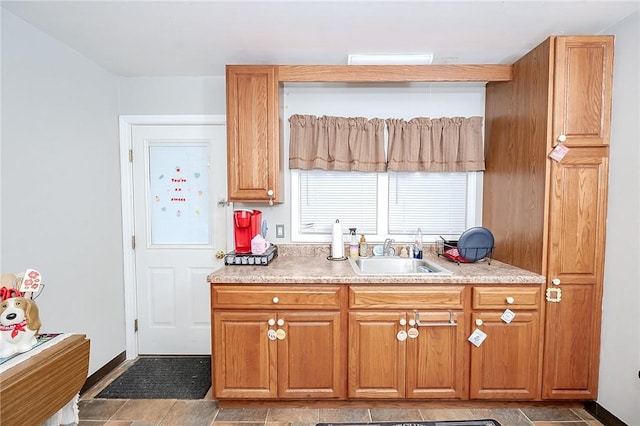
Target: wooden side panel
[
  {"x": 252, "y": 133},
  {"x": 584, "y": 69},
  {"x": 376, "y": 356},
  {"x": 436, "y": 358},
  {"x": 505, "y": 366},
  {"x": 517, "y": 128},
  {"x": 244, "y": 359},
  {"x": 312, "y": 356}
]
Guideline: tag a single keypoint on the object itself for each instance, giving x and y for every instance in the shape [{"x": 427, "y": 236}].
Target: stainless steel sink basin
[{"x": 394, "y": 265}]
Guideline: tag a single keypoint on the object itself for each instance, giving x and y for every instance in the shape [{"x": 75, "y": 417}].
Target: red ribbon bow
[
  {"x": 7, "y": 293},
  {"x": 15, "y": 328}
]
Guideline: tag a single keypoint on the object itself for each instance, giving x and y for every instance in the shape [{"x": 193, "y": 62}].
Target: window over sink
[{"x": 381, "y": 205}]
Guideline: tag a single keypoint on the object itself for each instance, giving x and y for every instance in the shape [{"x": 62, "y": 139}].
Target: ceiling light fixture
[{"x": 391, "y": 59}]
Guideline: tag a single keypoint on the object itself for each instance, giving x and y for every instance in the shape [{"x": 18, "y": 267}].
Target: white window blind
[
  {"x": 382, "y": 204},
  {"x": 326, "y": 196},
  {"x": 434, "y": 202}
]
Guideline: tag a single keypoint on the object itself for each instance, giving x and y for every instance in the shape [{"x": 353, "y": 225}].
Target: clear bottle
[
  {"x": 417, "y": 252},
  {"x": 353, "y": 243},
  {"x": 363, "y": 249}
]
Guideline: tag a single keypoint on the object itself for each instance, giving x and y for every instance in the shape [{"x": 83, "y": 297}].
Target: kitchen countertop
[{"x": 309, "y": 265}]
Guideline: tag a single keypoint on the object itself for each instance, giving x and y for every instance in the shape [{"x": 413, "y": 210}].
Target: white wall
[
  {"x": 60, "y": 185},
  {"x": 172, "y": 96},
  {"x": 620, "y": 354}
]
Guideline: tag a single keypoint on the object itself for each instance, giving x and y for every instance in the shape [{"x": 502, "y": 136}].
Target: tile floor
[{"x": 206, "y": 412}]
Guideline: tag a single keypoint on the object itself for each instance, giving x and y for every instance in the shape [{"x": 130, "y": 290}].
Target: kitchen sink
[{"x": 394, "y": 265}]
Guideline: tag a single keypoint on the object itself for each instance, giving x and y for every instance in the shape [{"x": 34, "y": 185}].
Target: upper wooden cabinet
[
  {"x": 253, "y": 134},
  {"x": 549, "y": 216},
  {"x": 582, "y": 90}
]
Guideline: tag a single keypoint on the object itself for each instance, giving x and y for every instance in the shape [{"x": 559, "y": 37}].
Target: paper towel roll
[{"x": 337, "y": 243}]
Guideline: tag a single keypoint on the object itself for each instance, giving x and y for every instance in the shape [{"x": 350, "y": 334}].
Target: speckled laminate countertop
[{"x": 309, "y": 265}]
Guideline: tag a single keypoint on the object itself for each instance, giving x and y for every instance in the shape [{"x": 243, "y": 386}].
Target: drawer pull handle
[
  {"x": 451, "y": 323},
  {"x": 510, "y": 300},
  {"x": 275, "y": 299}
]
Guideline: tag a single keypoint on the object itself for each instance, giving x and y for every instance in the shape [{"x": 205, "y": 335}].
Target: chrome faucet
[{"x": 386, "y": 248}]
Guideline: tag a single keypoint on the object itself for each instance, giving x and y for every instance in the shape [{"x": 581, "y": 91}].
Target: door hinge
[
  {"x": 133, "y": 242},
  {"x": 135, "y": 325},
  {"x": 131, "y": 156}
]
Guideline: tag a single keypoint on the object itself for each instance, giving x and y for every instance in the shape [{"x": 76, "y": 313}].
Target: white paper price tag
[
  {"x": 508, "y": 315},
  {"x": 477, "y": 337},
  {"x": 31, "y": 281},
  {"x": 559, "y": 152}
]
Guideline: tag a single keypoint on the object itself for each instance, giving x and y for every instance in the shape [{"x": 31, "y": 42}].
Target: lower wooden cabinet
[
  {"x": 286, "y": 342},
  {"x": 407, "y": 355},
  {"x": 506, "y": 365},
  {"x": 375, "y": 342},
  {"x": 278, "y": 355}
]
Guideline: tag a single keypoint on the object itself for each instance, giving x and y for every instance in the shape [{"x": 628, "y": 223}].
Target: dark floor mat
[
  {"x": 167, "y": 377},
  {"x": 485, "y": 422}
]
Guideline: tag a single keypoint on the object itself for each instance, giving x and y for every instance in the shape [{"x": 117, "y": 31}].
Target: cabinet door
[
  {"x": 505, "y": 365},
  {"x": 312, "y": 356},
  {"x": 437, "y": 357},
  {"x": 244, "y": 359},
  {"x": 582, "y": 89},
  {"x": 253, "y": 137},
  {"x": 576, "y": 259},
  {"x": 376, "y": 356}
]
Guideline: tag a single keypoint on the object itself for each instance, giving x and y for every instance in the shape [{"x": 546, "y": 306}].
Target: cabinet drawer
[
  {"x": 506, "y": 297},
  {"x": 275, "y": 297},
  {"x": 406, "y": 297}
]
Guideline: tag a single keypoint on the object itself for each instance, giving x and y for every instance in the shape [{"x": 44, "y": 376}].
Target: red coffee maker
[{"x": 246, "y": 225}]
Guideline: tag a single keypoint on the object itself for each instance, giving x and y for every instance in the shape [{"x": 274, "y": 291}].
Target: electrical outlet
[{"x": 279, "y": 231}]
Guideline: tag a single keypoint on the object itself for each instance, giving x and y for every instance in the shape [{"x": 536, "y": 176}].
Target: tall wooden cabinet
[
  {"x": 253, "y": 133},
  {"x": 556, "y": 215}
]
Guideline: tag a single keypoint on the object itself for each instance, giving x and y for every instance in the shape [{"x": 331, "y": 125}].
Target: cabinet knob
[
  {"x": 270, "y": 195},
  {"x": 479, "y": 322},
  {"x": 271, "y": 321},
  {"x": 412, "y": 322},
  {"x": 275, "y": 299},
  {"x": 510, "y": 300},
  {"x": 403, "y": 321},
  {"x": 555, "y": 281},
  {"x": 280, "y": 322},
  {"x": 562, "y": 138}
]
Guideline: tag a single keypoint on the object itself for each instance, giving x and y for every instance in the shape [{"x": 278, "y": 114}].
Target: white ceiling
[{"x": 170, "y": 38}]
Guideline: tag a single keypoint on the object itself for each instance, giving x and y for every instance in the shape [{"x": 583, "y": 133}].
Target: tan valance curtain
[
  {"x": 435, "y": 145},
  {"x": 336, "y": 143}
]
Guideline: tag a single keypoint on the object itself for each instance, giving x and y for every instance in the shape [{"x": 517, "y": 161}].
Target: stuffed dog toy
[{"x": 19, "y": 324}]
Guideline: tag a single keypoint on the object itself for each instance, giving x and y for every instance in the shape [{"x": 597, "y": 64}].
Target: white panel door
[{"x": 179, "y": 174}]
